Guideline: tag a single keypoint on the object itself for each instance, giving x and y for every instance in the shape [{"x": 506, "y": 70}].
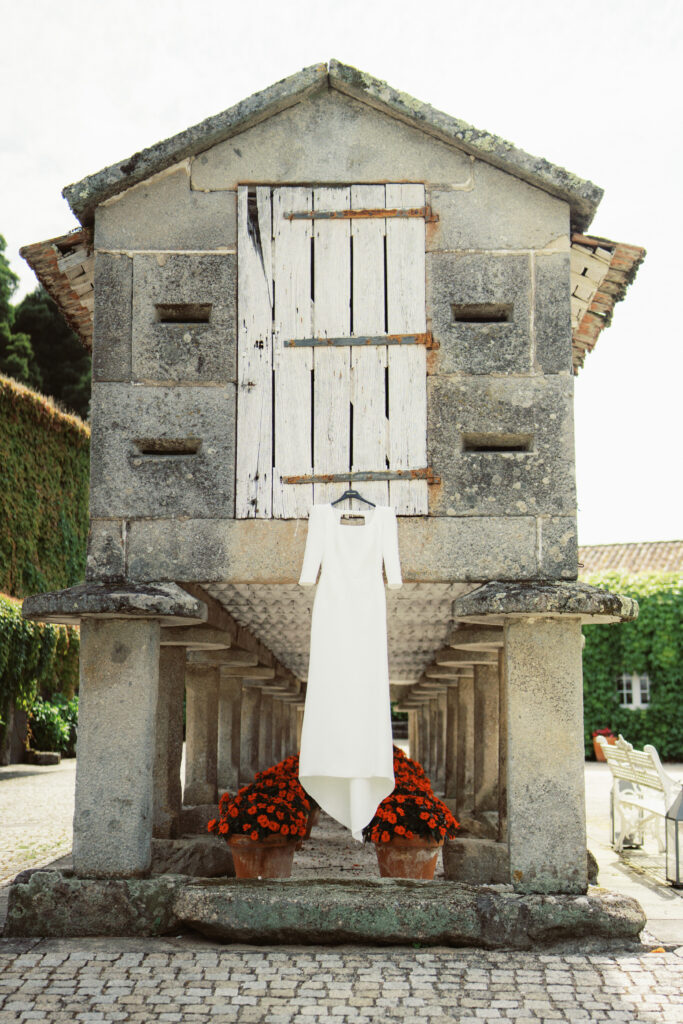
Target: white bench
[{"x": 641, "y": 793}]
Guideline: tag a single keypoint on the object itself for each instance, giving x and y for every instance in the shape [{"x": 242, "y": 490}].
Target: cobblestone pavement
[
  {"x": 183, "y": 980},
  {"x": 36, "y": 815}
]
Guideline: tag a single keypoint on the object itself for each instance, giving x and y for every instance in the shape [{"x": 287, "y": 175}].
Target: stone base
[
  {"x": 476, "y": 861},
  {"x": 43, "y": 757},
  {"x": 194, "y": 819},
  {"x": 305, "y": 912},
  {"x": 201, "y": 856}
]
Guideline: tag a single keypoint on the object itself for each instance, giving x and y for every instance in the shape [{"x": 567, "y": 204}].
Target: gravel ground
[{"x": 36, "y": 815}]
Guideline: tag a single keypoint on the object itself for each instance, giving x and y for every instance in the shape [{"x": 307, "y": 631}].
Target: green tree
[
  {"x": 16, "y": 354},
  {"x": 61, "y": 362}
]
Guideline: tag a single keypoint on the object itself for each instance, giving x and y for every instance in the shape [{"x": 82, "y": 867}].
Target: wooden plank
[
  {"x": 331, "y": 318},
  {"x": 368, "y": 366},
  {"x": 407, "y": 367},
  {"x": 292, "y": 367},
  {"x": 253, "y": 490}
]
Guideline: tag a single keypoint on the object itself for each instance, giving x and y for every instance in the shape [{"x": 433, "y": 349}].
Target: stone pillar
[
  {"x": 434, "y": 740},
  {"x": 251, "y": 710},
  {"x": 265, "y": 745},
  {"x": 201, "y": 734},
  {"x": 169, "y": 743},
  {"x": 229, "y": 732},
  {"x": 465, "y": 759},
  {"x": 277, "y": 730},
  {"x": 451, "y": 755},
  {"x": 119, "y": 670},
  {"x": 502, "y": 750},
  {"x": 424, "y": 736},
  {"x": 413, "y": 741},
  {"x": 545, "y": 768},
  {"x": 441, "y": 741},
  {"x": 299, "y": 724},
  {"x": 486, "y": 738}
]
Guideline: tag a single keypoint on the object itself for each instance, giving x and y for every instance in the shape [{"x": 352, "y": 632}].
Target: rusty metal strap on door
[
  {"x": 379, "y": 339},
  {"x": 423, "y": 212},
  {"x": 426, "y": 473}
]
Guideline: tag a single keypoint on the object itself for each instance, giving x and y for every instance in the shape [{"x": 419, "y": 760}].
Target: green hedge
[
  {"x": 44, "y": 455},
  {"x": 653, "y": 644},
  {"x": 34, "y": 659}
]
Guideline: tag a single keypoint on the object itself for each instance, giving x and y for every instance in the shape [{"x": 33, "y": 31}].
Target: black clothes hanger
[{"x": 349, "y": 493}]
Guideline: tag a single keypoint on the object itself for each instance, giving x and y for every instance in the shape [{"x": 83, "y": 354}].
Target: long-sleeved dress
[{"x": 346, "y": 758}]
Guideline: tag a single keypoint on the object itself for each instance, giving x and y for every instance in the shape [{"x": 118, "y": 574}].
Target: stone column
[
  {"x": 169, "y": 743},
  {"x": 249, "y": 742},
  {"x": 502, "y": 750},
  {"x": 265, "y": 746},
  {"x": 465, "y": 760},
  {"x": 229, "y": 732},
  {"x": 201, "y": 734},
  {"x": 451, "y": 754},
  {"x": 277, "y": 730},
  {"x": 424, "y": 736},
  {"x": 434, "y": 741},
  {"x": 486, "y": 738},
  {"x": 441, "y": 741},
  {"x": 545, "y": 767},
  {"x": 299, "y": 724},
  {"x": 119, "y": 671},
  {"x": 413, "y": 741}
]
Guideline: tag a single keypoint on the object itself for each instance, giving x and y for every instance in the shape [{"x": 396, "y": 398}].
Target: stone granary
[{"x": 332, "y": 283}]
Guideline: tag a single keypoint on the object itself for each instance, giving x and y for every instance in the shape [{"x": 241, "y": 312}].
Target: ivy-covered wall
[
  {"x": 653, "y": 644},
  {"x": 44, "y": 473}
]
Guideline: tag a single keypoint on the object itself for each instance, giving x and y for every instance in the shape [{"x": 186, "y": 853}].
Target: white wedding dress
[{"x": 346, "y": 757}]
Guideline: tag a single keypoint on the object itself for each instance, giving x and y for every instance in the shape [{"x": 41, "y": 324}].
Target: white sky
[{"x": 592, "y": 85}]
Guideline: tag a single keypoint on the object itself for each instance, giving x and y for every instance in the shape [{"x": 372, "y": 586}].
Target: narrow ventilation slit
[
  {"x": 483, "y": 313},
  {"x": 497, "y": 443},
  {"x": 182, "y": 313},
  {"x": 386, "y": 290},
  {"x": 312, "y": 269},
  {"x": 350, "y": 437},
  {"x": 167, "y": 446},
  {"x": 272, "y": 419}
]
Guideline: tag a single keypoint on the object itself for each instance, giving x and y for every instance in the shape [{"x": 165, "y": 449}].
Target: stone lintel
[
  {"x": 252, "y": 672},
  {"x": 197, "y": 638},
  {"x": 166, "y": 602},
  {"x": 453, "y": 656},
  {"x": 495, "y": 602},
  {"x": 235, "y": 657},
  {"x": 476, "y": 638}
]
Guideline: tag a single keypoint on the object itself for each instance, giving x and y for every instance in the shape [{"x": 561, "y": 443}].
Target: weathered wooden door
[{"x": 331, "y": 347}]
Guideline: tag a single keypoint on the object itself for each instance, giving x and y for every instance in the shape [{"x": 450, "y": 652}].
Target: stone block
[
  {"x": 194, "y": 819},
  {"x": 558, "y": 547},
  {"x": 461, "y": 285},
  {"x": 112, "y": 325},
  {"x": 391, "y": 911},
  {"x": 200, "y": 856},
  {"x": 184, "y": 317},
  {"x": 552, "y": 314},
  {"x": 433, "y": 550},
  {"x": 135, "y": 432},
  {"x": 165, "y": 213},
  {"x": 499, "y": 211},
  {"x": 502, "y": 446},
  {"x": 476, "y": 861},
  {"x": 330, "y": 138},
  {"x": 53, "y": 903},
  {"x": 106, "y": 550}
]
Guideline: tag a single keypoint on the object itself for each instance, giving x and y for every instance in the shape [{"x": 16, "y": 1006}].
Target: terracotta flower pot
[
  {"x": 599, "y": 756},
  {"x": 313, "y": 818},
  {"x": 262, "y": 858},
  {"x": 408, "y": 858}
]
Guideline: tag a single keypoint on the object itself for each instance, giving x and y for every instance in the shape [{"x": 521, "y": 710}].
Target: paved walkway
[{"x": 190, "y": 979}]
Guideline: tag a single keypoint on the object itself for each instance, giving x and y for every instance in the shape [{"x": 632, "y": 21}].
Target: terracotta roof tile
[{"x": 650, "y": 556}]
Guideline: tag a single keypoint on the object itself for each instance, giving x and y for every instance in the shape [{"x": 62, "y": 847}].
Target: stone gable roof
[
  {"x": 650, "y": 556},
  {"x": 582, "y": 196}
]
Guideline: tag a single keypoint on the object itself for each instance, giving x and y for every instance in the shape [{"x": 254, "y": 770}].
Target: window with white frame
[{"x": 634, "y": 689}]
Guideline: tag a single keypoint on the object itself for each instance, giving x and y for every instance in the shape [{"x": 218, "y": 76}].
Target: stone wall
[{"x": 500, "y": 417}]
